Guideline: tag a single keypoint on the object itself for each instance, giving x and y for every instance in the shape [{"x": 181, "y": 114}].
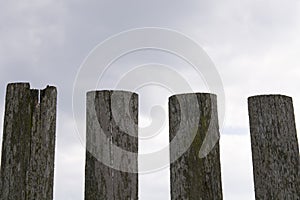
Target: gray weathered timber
[
  {"x": 275, "y": 151},
  {"x": 112, "y": 119},
  {"x": 27, "y": 163},
  {"x": 193, "y": 177}
]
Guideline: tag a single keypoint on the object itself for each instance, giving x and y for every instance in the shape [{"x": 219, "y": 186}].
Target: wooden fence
[{"x": 27, "y": 163}]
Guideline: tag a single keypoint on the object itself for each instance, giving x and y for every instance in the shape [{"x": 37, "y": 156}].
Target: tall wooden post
[
  {"x": 275, "y": 151},
  {"x": 111, "y": 146},
  {"x": 27, "y": 163},
  {"x": 192, "y": 176}
]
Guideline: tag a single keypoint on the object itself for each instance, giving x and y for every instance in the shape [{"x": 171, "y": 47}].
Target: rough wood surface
[
  {"x": 112, "y": 118},
  {"x": 275, "y": 151},
  {"x": 27, "y": 163},
  {"x": 192, "y": 177}
]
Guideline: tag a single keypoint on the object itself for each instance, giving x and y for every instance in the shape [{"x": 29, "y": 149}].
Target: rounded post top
[
  {"x": 193, "y": 94},
  {"x": 110, "y": 91},
  {"x": 268, "y": 96}
]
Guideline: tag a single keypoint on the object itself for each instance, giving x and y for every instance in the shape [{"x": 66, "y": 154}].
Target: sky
[{"x": 254, "y": 45}]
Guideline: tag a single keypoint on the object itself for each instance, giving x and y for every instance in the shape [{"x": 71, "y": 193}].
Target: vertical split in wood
[
  {"x": 275, "y": 151},
  {"x": 112, "y": 119},
  {"x": 27, "y": 163},
  {"x": 193, "y": 177}
]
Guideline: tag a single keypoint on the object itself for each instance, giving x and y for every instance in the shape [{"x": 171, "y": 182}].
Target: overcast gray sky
[{"x": 255, "y": 46}]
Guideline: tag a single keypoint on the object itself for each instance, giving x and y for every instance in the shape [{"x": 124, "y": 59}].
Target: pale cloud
[
  {"x": 254, "y": 45},
  {"x": 236, "y": 162}
]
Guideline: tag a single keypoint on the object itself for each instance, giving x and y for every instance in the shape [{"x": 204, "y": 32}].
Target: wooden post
[
  {"x": 275, "y": 151},
  {"x": 27, "y": 163},
  {"x": 194, "y": 177},
  {"x": 111, "y": 146}
]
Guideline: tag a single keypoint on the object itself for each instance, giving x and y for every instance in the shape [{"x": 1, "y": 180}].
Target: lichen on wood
[
  {"x": 27, "y": 162},
  {"x": 275, "y": 151},
  {"x": 112, "y": 118},
  {"x": 194, "y": 177}
]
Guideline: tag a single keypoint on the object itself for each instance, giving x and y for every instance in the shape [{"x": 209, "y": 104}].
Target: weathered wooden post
[
  {"x": 275, "y": 151},
  {"x": 193, "y": 118},
  {"x": 27, "y": 163},
  {"x": 111, "y": 146}
]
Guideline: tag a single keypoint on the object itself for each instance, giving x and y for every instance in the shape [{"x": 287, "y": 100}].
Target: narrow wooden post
[
  {"x": 275, "y": 151},
  {"x": 192, "y": 176},
  {"x": 27, "y": 163},
  {"x": 111, "y": 146}
]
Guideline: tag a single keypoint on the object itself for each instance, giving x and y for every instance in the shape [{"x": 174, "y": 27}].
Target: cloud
[
  {"x": 237, "y": 180},
  {"x": 253, "y": 44},
  {"x": 69, "y": 160},
  {"x": 155, "y": 185}
]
